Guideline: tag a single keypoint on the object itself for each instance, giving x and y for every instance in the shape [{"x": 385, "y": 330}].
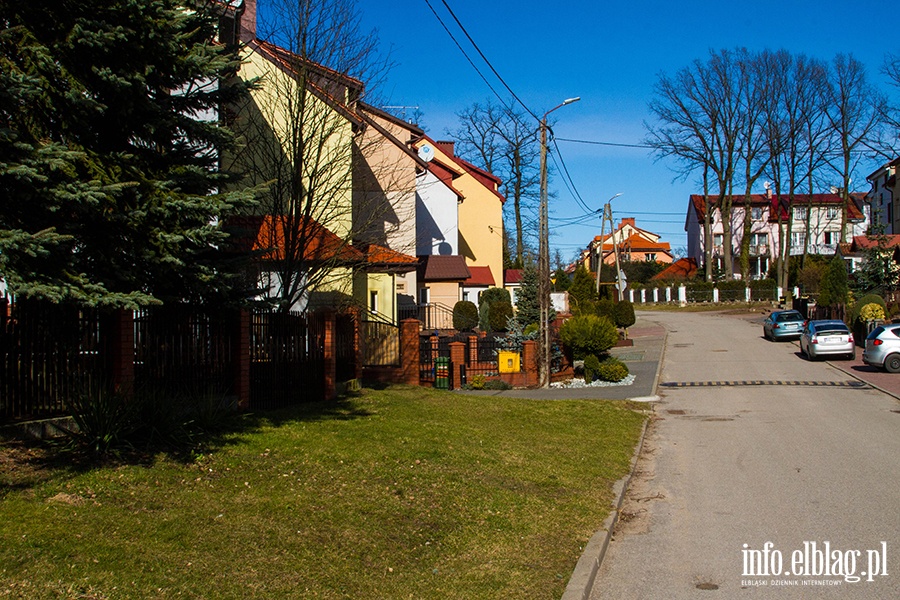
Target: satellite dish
[{"x": 426, "y": 153}]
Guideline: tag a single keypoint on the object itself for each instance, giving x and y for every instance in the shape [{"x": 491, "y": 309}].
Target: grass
[{"x": 400, "y": 493}]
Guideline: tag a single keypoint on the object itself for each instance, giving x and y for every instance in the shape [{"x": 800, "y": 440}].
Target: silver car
[
  {"x": 827, "y": 338},
  {"x": 783, "y": 324},
  {"x": 883, "y": 348}
]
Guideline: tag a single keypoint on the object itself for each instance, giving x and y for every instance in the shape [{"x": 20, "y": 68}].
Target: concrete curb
[
  {"x": 582, "y": 580},
  {"x": 581, "y": 583}
]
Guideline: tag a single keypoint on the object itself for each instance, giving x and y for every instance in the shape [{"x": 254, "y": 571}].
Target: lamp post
[{"x": 544, "y": 255}]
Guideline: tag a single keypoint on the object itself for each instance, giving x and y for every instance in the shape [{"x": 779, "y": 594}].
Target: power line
[
  {"x": 599, "y": 143},
  {"x": 487, "y": 62},
  {"x": 568, "y": 177},
  {"x": 472, "y": 63}
]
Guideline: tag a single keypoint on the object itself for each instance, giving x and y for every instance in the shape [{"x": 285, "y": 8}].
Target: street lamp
[{"x": 544, "y": 255}]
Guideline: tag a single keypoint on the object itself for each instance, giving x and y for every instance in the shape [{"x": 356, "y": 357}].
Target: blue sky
[{"x": 609, "y": 54}]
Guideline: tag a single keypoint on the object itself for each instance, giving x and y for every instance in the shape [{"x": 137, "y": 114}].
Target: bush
[
  {"x": 500, "y": 313},
  {"x": 584, "y": 335},
  {"x": 611, "y": 369},
  {"x": 863, "y": 301},
  {"x": 497, "y": 384},
  {"x": 476, "y": 382},
  {"x": 494, "y": 294},
  {"x": 591, "y": 368},
  {"x": 465, "y": 316},
  {"x": 871, "y": 312},
  {"x": 607, "y": 308},
  {"x": 625, "y": 314}
]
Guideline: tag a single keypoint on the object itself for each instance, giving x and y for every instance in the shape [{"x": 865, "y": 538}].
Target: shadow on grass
[{"x": 25, "y": 463}]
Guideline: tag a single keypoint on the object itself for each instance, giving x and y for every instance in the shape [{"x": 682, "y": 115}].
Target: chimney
[
  {"x": 628, "y": 221},
  {"x": 247, "y": 27},
  {"x": 446, "y": 147}
]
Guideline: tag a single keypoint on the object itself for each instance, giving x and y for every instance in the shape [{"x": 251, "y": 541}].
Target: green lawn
[{"x": 401, "y": 493}]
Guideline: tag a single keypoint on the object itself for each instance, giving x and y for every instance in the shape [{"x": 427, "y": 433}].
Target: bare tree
[
  {"x": 301, "y": 134},
  {"x": 855, "y": 112},
  {"x": 699, "y": 114},
  {"x": 504, "y": 141}
]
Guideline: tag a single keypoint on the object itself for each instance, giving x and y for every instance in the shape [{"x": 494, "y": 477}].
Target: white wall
[{"x": 437, "y": 221}]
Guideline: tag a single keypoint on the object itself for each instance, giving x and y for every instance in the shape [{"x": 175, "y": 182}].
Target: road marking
[{"x": 751, "y": 382}]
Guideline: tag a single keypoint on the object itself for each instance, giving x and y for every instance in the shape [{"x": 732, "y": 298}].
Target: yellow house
[
  {"x": 481, "y": 212},
  {"x": 297, "y": 129}
]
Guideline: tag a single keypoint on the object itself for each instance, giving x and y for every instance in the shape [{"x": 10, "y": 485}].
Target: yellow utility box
[{"x": 509, "y": 362}]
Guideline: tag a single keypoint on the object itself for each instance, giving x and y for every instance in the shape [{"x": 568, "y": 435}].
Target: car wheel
[
  {"x": 852, "y": 355},
  {"x": 892, "y": 363}
]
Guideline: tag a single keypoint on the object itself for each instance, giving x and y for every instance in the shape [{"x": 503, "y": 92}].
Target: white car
[{"x": 827, "y": 338}]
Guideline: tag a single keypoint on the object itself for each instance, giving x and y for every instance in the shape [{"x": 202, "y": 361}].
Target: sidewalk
[{"x": 643, "y": 360}]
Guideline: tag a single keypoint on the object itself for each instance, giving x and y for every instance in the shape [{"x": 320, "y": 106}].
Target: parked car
[
  {"x": 883, "y": 348},
  {"x": 827, "y": 338},
  {"x": 782, "y": 325}
]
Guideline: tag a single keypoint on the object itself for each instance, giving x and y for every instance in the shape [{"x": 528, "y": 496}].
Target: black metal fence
[
  {"x": 182, "y": 349},
  {"x": 286, "y": 359},
  {"x": 47, "y": 353}
]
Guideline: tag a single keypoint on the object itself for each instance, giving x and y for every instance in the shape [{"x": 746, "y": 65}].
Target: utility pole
[
  {"x": 544, "y": 257},
  {"x": 607, "y": 216}
]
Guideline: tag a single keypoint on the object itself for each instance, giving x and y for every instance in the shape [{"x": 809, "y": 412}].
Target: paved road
[{"x": 725, "y": 466}]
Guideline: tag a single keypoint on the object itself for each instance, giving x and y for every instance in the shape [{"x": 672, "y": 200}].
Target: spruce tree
[
  {"x": 528, "y": 307},
  {"x": 109, "y": 158}
]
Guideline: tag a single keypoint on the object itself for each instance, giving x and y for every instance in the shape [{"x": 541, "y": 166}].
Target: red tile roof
[
  {"x": 854, "y": 213},
  {"x": 480, "y": 276},
  {"x": 307, "y": 240},
  {"x": 437, "y": 267},
  {"x": 864, "y": 242},
  {"x": 512, "y": 276},
  {"x": 381, "y": 259},
  {"x": 683, "y": 268}
]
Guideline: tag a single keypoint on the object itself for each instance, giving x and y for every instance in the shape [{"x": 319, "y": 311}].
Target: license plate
[{"x": 831, "y": 340}]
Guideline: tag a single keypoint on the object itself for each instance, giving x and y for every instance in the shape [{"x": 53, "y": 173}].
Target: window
[
  {"x": 831, "y": 213},
  {"x": 756, "y": 213},
  {"x": 373, "y": 301},
  {"x": 465, "y": 295},
  {"x": 650, "y": 257},
  {"x": 799, "y": 213},
  {"x": 831, "y": 237},
  {"x": 424, "y": 295},
  {"x": 759, "y": 239},
  {"x": 718, "y": 239},
  {"x": 798, "y": 239}
]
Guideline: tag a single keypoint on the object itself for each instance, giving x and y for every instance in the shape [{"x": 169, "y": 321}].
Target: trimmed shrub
[
  {"x": 612, "y": 369},
  {"x": 584, "y": 335},
  {"x": 496, "y": 384},
  {"x": 863, "y": 301},
  {"x": 484, "y": 317},
  {"x": 591, "y": 368},
  {"x": 625, "y": 314},
  {"x": 465, "y": 316},
  {"x": 871, "y": 312},
  {"x": 606, "y": 308},
  {"x": 500, "y": 313},
  {"x": 494, "y": 294}
]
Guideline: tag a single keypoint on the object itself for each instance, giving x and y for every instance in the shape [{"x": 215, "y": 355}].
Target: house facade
[
  {"x": 809, "y": 223},
  {"x": 632, "y": 244},
  {"x": 884, "y": 198}
]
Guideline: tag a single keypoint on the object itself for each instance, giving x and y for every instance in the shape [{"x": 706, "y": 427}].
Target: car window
[
  {"x": 878, "y": 331},
  {"x": 791, "y": 316},
  {"x": 896, "y": 331},
  {"x": 832, "y": 327}
]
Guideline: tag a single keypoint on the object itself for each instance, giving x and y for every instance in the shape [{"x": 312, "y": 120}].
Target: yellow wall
[{"x": 480, "y": 222}]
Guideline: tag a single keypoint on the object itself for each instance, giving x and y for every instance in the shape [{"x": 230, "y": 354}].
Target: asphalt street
[{"x": 762, "y": 475}]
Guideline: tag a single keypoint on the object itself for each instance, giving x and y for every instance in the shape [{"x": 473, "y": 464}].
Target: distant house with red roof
[
  {"x": 632, "y": 243},
  {"x": 680, "y": 270},
  {"x": 814, "y": 221}
]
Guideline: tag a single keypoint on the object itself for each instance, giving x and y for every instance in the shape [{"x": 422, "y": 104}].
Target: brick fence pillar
[
  {"x": 241, "y": 332},
  {"x": 473, "y": 350},
  {"x": 329, "y": 354},
  {"x": 530, "y": 363},
  {"x": 409, "y": 351},
  {"x": 457, "y": 362},
  {"x": 356, "y": 315}
]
